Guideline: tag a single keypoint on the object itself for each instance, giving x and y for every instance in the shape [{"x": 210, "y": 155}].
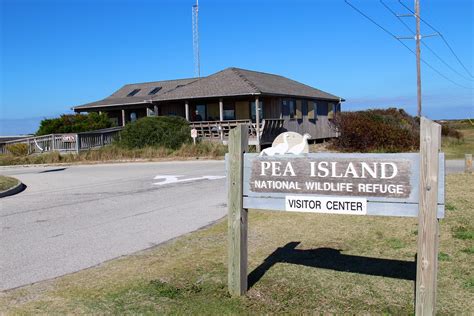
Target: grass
[
  {"x": 7, "y": 183},
  {"x": 115, "y": 153},
  {"x": 456, "y": 149},
  {"x": 298, "y": 264}
]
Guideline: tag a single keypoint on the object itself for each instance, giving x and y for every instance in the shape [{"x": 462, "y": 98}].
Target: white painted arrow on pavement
[{"x": 174, "y": 179}]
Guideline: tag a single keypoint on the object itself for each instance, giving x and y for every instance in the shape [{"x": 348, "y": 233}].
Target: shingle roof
[
  {"x": 225, "y": 83},
  {"x": 120, "y": 97}
]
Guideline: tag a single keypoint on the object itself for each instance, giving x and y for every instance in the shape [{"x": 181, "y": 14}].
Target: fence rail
[
  {"x": 74, "y": 143},
  {"x": 65, "y": 143}
]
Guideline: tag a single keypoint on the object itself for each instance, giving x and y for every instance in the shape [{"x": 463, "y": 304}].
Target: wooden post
[
  {"x": 53, "y": 140},
  {"x": 78, "y": 146},
  {"x": 468, "y": 163},
  {"x": 186, "y": 110},
  {"x": 237, "y": 216},
  {"x": 123, "y": 117},
  {"x": 257, "y": 121},
  {"x": 428, "y": 230},
  {"x": 221, "y": 110}
]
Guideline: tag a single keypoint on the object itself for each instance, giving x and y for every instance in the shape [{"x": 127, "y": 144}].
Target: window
[
  {"x": 289, "y": 108},
  {"x": 133, "y": 117},
  {"x": 200, "y": 113},
  {"x": 312, "y": 110},
  {"x": 135, "y": 91},
  {"x": 154, "y": 91},
  {"x": 331, "y": 110},
  {"x": 254, "y": 113}
]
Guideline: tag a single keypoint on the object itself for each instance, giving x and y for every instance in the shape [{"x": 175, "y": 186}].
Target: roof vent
[
  {"x": 154, "y": 91},
  {"x": 135, "y": 91}
]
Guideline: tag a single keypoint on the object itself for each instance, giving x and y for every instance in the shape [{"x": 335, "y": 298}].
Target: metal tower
[{"x": 197, "y": 62}]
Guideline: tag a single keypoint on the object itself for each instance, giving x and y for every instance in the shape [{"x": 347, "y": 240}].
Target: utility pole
[{"x": 418, "y": 67}]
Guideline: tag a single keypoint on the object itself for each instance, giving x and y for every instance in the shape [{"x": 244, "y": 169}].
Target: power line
[
  {"x": 423, "y": 43},
  {"x": 442, "y": 37},
  {"x": 406, "y": 46}
]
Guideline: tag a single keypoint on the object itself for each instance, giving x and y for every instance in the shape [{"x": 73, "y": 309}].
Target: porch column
[
  {"x": 257, "y": 122},
  {"x": 123, "y": 117},
  {"x": 186, "y": 110},
  {"x": 221, "y": 110}
]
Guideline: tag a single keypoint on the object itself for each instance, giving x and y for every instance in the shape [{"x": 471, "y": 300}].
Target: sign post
[
  {"x": 428, "y": 227},
  {"x": 237, "y": 216}
]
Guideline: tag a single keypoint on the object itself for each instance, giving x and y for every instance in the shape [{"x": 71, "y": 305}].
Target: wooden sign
[
  {"x": 387, "y": 183},
  {"x": 194, "y": 135},
  {"x": 282, "y": 179}
]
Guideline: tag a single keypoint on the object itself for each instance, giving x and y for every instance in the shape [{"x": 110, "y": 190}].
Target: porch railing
[{"x": 65, "y": 142}]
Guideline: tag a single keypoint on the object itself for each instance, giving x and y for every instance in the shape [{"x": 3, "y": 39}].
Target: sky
[{"x": 56, "y": 54}]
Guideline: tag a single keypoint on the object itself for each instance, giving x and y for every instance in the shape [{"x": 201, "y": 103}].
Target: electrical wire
[
  {"x": 423, "y": 43},
  {"x": 440, "y": 35},
  {"x": 406, "y": 46}
]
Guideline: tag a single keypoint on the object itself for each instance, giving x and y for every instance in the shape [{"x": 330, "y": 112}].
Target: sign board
[
  {"x": 388, "y": 183},
  {"x": 194, "y": 134},
  {"x": 68, "y": 138},
  {"x": 286, "y": 178}
]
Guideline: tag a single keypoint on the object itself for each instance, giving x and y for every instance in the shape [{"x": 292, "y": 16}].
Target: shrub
[
  {"x": 74, "y": 123},
  {"x": 19, "y": 150},
  {"x": 449, "y": 131},
  {"x": 163, "y": 131},
  {"x": 390, "y": 130}
]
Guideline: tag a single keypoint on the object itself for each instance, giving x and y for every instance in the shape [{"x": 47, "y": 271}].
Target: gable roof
[{"x": 226, "y": 83}]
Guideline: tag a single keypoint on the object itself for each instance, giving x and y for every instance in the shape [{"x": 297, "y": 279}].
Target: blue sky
[{"x": 62, "y": 53}]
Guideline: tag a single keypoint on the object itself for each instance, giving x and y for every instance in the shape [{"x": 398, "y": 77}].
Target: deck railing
[
  {"x": 74, "y": 143},
  {"x": 65, "y": 143}
]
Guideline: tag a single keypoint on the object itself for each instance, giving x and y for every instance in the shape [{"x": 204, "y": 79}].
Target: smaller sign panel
[
  {"x": 327, "y": 205},
  {"x": 68, "y": 138},
  {"x": 194, "y": 133}
]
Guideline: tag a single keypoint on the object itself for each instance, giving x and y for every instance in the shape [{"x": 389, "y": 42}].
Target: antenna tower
[{"x": 197, "y": 61}]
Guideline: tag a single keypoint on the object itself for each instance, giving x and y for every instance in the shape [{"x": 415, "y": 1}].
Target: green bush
[
  {"x": 74, "y": 123},
  {"x": 163, "y": 131},
  {"x": 378, "y": 130},
  {"x": 19, "y": 150}
]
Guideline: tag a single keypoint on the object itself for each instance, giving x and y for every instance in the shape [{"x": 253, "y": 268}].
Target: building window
[
  {"x": 134, "y": 91},
  {"x": 331, "y": 110},
  {"x": 200, "y": 113},
  {"x": 253, "y": 113},
  {"x": 133, "y": 117},
  {"x": 154, "y": 91},
  {"x": 289, "y": 108}
]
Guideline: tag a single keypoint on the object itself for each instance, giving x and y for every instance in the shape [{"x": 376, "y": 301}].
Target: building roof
[{"x": 226, "y": 83}]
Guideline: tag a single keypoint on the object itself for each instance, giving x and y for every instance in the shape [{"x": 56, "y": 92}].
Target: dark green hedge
[
  {"x": 163, "y": 131},
  {"x": 378, "y": 130},
  {"x": 74, "y": 123}
]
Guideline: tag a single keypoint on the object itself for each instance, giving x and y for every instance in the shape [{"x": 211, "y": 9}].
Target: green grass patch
[
  {"x": 7, "y": 183},
  {"x": 443, "y": 256},
  {"x": 469, "y": 250},
  {"x": 463, "y": 232},
  {"x": 395, "y": 243},
  {"x": 450, "y": 207},
  {"x": 298, "y": 264}
]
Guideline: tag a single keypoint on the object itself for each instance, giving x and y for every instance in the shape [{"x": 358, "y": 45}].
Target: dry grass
[
  {"x": 7, "y": 183},
  {"x": 114, "y": 153},
  {"x": 302, "y": 264},
  {"x": 456, "y": 149}
]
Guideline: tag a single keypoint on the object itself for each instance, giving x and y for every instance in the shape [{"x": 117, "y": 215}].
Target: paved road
[{"x": 74, "y": 217}]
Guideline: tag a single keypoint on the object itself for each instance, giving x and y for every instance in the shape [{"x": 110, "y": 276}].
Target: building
[{"x": 216, "y": 103}]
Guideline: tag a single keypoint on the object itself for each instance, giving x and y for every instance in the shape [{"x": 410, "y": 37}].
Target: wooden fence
[{"x": 65, "y": 143}]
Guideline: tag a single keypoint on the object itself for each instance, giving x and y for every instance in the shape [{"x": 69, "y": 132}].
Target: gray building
[{"x": 218, "y": 102}]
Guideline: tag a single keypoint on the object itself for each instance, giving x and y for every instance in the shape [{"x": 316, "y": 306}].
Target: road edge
[{"x": 14, "y": 190}]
